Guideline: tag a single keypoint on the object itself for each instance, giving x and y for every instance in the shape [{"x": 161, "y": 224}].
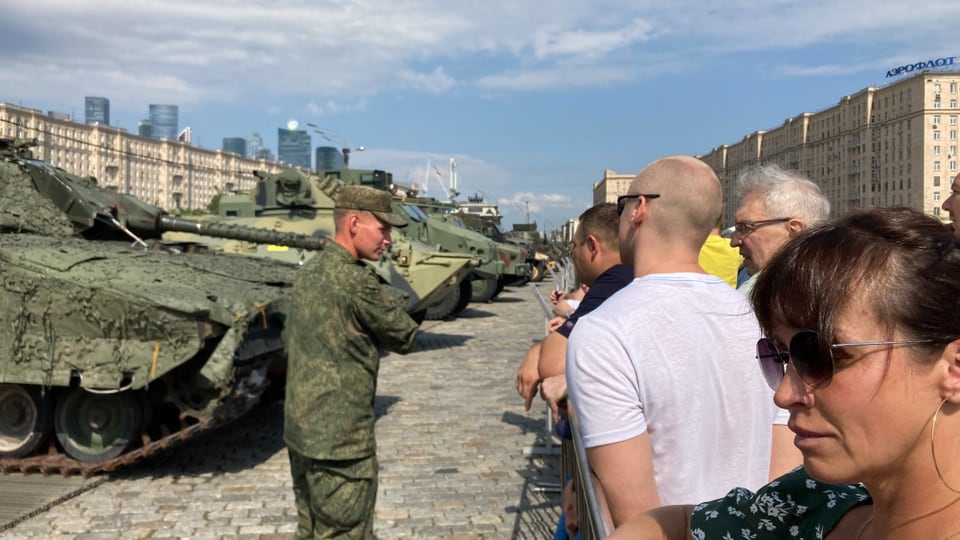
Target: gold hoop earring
[{"x": 933, "y": 450}]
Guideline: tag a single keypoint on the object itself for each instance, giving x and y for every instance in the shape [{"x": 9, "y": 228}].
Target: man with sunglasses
[
  {"x": 662, "y": 376},
  {"x": 775, "y": 206}
]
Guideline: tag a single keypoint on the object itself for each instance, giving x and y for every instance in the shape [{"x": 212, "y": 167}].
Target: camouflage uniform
[{"x": 340, "y": 319}]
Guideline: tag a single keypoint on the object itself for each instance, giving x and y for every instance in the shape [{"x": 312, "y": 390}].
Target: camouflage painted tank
[
  {"x": 436, "y": 282},
  {"x": 114, "y": 350},
  {"x": 488, "y": 278}
]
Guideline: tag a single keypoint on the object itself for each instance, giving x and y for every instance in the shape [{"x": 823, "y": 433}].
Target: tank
[
  {"x": 436, "y": 282},
  {"x": 117, "y": 345},
  {"x": 449, "y": 236}
]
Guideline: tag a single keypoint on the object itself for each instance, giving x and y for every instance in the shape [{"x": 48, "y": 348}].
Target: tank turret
[{"x": 113, "y": 352}]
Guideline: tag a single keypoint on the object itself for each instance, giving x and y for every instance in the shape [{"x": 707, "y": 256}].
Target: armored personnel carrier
[
  {"x": 435, "y": 281},
  {"x": 115, "y": 345},
  {"x": 488, "y": 278}
]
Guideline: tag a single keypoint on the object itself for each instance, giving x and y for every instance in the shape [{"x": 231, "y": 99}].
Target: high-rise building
[
  {"x": 329, "y": 159},
  {"x": 97, "y": 110},
  {"x": 237, "y": 145},
  {"x": 293, "y": 146},
  {"x": 165, "y": 121},
  {"x": 145, "y": 128},
  {"x": 254, "y": 146}
]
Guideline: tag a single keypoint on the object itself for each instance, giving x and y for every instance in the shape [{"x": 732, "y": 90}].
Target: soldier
[{"x": 340, "y": 319}]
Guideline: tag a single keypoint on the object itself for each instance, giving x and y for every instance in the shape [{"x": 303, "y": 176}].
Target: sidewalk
[{"x": 451, "y": 438}]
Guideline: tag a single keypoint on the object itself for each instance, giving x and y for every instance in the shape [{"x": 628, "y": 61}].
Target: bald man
[{"x": 672, "y": 406}]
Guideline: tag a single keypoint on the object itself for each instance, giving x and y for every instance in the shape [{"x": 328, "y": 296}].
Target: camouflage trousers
[{"x": 335, "y": 499}]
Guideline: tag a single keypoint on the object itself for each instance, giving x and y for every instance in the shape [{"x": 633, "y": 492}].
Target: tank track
[{"x": 243, "y": 398}]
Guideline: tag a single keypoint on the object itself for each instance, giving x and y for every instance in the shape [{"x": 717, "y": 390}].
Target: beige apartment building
[
  {"x": 169, "y": 174},
  {"x": 889, "y": 146}
]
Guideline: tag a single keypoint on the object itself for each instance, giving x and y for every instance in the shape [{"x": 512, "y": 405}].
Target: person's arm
[
  {"x": 624, "y": 473},
  {"x": 553, "y": 355},
  {"x": 381, "y": 310},
  {"x": 663, "y": 523},
  {"x": 528, "y": 376},
  {"x": 784, "y": 455}
]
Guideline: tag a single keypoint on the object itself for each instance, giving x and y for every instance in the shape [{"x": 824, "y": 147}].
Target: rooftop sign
[{"x": 920, "y": 66}]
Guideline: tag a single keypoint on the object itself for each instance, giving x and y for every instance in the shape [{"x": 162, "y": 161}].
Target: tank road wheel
[
  {"x": 96, "y": 427},
  {"x": 444, "y": 307},
  {"x": 24, "y": 420},
  {"x": 500, "y": 284},
  {"x": 484, "y": 289}
]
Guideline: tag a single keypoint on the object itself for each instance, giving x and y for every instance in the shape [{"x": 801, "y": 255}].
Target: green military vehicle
[
  {"x": 117, "y": 345},
  {"x": 437, "y": 283},
  {"x": 515, "y": 258},
  {"x": 449, "y": 236}
]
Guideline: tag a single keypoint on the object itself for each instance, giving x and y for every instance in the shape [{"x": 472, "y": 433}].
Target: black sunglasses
[
  {"x": 622, "y": 200},
  {"x": 813, "y": 361}
]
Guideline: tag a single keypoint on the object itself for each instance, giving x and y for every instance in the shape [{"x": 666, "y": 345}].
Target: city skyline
[{"x": 533, "y": 103}]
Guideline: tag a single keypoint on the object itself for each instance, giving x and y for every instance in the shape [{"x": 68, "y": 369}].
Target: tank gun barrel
[{"x": 241, "y": 232}]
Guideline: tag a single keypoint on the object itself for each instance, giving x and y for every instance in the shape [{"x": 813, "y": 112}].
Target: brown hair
[
  {"x": 906, "y": 264},
  {"x": 601, "y": 221}
]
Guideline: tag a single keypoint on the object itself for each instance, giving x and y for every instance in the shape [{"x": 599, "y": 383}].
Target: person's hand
[
  {"x": 556, "y": 295},
  {"x": 555, "y": 323},
  {"x": 528, "y": 376},
  {"x": 553, "y": 390},
  {"x": 561, "y": 308}
]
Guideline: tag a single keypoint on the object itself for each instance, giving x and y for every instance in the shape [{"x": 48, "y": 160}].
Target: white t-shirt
[{"x": 674, "y": 355}]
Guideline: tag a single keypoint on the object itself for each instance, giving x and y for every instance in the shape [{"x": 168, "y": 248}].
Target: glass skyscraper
[
  {"x": 97, "y": 110},
  {"x": 293, "y": 147},
  {"x": 329, "y": 159},
  {"x": 165, "y": 122},
  {"x": 237, "y": 145}
]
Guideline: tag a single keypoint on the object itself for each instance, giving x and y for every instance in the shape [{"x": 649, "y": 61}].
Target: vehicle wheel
[
  {"x": 539, "y": 272},
  {"x": 499, "y": 289},
  {"x": 484, "y": 289},
  {"x": 466, "y": 295},
  {"x": 24, "y": 420},
  {"x": 96, "y": 427},
  {"x": 444, "y": 307}
]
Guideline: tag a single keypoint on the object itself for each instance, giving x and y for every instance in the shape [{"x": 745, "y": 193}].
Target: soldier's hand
[
  {"x": 555, "y": 323},
  {"x": 528, "y": 376}
]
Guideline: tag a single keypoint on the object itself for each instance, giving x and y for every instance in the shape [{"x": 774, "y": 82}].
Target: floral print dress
[{"x": 792, "y": 507}]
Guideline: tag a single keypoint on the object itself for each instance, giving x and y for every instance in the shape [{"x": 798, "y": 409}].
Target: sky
[{"x": 532, "y": 100}]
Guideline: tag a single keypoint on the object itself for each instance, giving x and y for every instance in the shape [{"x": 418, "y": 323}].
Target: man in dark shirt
[
  {"x": 340, "y": 319},
  {"x": 595, "y": 254}
]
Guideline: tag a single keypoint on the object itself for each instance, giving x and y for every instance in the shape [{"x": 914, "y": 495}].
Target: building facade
[
  {"x": 96, "y": 110},
  {"x": 167, "y": 173},
  {"x": 164, "y": 122},
  {"x": 293, "y": 147},
  {"x": 889, "y": 146},
  {"x": 611, "y": 186}
]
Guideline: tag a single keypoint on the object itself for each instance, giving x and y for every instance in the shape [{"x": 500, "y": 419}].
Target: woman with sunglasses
[{"x": 863, "y": 349}]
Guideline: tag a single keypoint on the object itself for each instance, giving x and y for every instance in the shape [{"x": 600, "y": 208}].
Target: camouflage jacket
[{"x": 340, "y": 318}]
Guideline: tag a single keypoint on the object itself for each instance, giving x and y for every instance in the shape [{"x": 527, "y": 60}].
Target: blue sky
[{"x": 534, "y": 100}]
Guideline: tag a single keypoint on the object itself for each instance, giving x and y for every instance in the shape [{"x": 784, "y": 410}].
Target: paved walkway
[{"x": 451, "y": 439}]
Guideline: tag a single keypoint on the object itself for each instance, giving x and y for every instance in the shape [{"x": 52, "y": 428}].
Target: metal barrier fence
[{"x": 573, "y": 459}]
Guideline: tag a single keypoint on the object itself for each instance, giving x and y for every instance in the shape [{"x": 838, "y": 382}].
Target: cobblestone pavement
[{"x": 451, "y": 433}]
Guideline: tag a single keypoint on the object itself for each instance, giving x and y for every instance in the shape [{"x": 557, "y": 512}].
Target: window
[
  {"x": 953, "y": 104},
  {"x": 936, "y": 150},
  {"x": 953, "y": 165},
  {"x": 953, "y": 88},
  {"x": 953, "y": 149},
  {"x": 936, "y": 104},
  {"x": 953, "y": 134},
  {"x": 936, "y": 165},
  {"x": 936, "y": 119},
  {"x": 936, "y": 135},
  {"x": 936, "y": 195},
  {"x": 936, "y": 181},
  {"x": 936, "y": 87}
]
